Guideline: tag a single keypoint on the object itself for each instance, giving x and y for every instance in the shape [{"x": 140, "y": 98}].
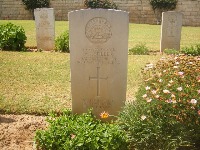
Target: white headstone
[
  {"x": 171, "y": 30},
  {"x": 98, "y": 59},
  {"x": 45, "y": 28}
]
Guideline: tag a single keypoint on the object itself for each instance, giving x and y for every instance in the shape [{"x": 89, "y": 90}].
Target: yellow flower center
[{"x": 104, "y": 115}]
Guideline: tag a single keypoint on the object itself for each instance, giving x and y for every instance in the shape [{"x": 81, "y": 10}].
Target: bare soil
[{"x": 17, "y": 131}]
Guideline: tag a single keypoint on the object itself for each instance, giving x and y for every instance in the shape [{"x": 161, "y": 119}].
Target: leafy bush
[
  {"x": 72, "y": 132},
  {"x": 62, "y": 42},
  {"x": 171, "y": 51},
  {"x": 106, "y": 4},
  {"x": 12, "y": 37},
  {"x": 160, "y": 6},
  {"x": 193, "y": 50},
  {"x": 147, "y": 132},
  {"x": 164, "y": 5},
  {"x": 166, "y": 114},
  {"x": 139, "y": 49},
  {"x": 33, "y": 4}
]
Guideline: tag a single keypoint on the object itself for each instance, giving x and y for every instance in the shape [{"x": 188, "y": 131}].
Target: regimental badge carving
[{"x": 98, "y": 30}]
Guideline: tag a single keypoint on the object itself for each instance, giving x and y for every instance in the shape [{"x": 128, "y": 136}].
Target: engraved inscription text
[
  {"x": 172, "y": 26},
  {"x": 98, "y": 55}
]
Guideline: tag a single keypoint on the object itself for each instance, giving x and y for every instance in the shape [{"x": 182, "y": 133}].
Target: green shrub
[
  {"x": 171, "y": 51},
  {"x": 62, "y": 42},
  {"x": 12, "y": 37},
  {"x": 160, "y": 6},
  {"x": 146, "y": 131},
  {"x": 164, "y": 5},
  {"x": 79, "y": 132},
  {"x": 139, "y": 49},
  {"x": 193, "y": 50},
  {"x": 166, "y": 114},
  {"x": 106, "y": 4},
  {"x": 33, "y": 4}
]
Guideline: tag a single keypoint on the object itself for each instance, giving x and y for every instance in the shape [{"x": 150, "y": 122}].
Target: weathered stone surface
[
  {"x": 45, "y": 28},
  {"x": 171, "y": 30},
  {"x": 98, "y": 59}
]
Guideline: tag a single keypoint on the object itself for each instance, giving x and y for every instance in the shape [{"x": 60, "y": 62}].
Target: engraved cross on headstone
[{"x": 98, "y": 78}]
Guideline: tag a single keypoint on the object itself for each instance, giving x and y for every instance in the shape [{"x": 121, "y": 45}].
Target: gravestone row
[
  {"x": 99, "y": 53},
  {"x": 45, "y": 29}
]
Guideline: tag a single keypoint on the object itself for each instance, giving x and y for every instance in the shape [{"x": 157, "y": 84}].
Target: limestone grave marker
[
  {"x": 45, "y": 28},
  {"x": 98, "y": 60},
  {"x": 171, "y": 30}
]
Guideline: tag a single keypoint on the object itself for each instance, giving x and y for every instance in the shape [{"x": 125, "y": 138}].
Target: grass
[
  {"x": 34, "y": 82},
  {"x": 135, "y": 64},
  {"x": 39, "y": 82},
  {"x": 138, "y": 33}
]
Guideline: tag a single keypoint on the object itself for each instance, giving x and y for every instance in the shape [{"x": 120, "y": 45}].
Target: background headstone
[
  {"x": 171, "y": 30},
  {"x": 98, "y": 59},
  {"x": 45, "y": 28}
]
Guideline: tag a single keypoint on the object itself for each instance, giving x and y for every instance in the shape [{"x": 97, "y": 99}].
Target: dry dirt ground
[{"x": 17, "y": 131}]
